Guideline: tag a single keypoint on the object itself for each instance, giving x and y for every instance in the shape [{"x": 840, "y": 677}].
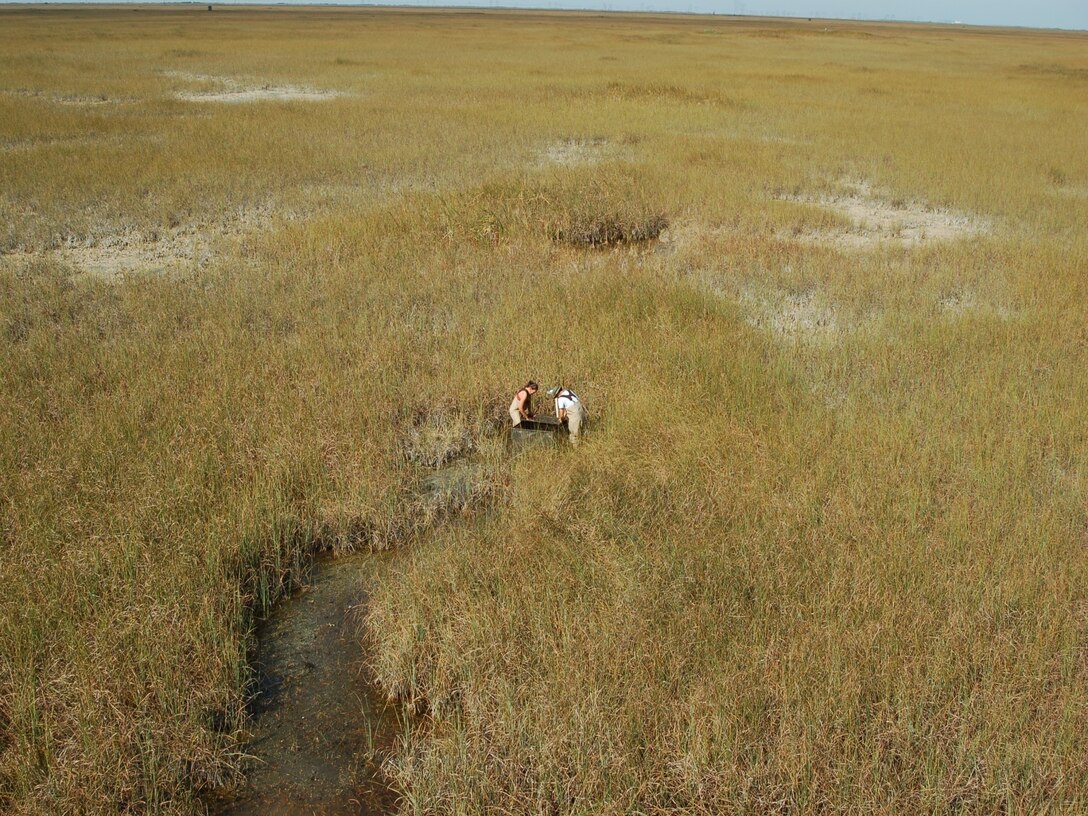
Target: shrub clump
[{"x": 609, "y": 230}]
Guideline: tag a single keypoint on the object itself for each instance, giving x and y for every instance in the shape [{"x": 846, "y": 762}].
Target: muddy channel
[{"x": 320, "y": 726}]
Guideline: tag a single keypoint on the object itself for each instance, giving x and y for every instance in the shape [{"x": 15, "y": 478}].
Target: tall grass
[{"x": 792, "y": 571}]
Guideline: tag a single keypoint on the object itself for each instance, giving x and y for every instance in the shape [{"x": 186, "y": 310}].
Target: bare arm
[{"x": 524, "y": 403}]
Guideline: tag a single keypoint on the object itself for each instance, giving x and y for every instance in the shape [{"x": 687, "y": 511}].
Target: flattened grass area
[{"x": 826, "y": 562}]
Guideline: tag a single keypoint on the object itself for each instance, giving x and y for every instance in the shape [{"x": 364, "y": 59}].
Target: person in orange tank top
[{"x": 521, "y": 408}]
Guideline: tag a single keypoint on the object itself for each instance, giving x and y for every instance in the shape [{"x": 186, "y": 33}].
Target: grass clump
[
  {"x": 598, "y": 231},
  {"x": 436, "y": 438}
]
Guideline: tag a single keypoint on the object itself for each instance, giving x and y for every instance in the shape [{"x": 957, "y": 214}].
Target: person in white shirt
[{"x": 569, "y": 409}]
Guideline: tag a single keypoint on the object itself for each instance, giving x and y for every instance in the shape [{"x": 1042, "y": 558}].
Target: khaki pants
[
  {"x": 576, "y": 416},
  {"x": 515, "y": 415}
]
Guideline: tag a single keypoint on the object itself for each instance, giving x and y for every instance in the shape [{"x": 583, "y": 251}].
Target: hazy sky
[{"x": 1038, "y": 14}]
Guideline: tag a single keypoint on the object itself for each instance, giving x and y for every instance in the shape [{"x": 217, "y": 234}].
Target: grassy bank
[{"x": 824, "y": 547}]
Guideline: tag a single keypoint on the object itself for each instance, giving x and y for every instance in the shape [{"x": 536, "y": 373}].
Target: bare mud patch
[
  {"x": 110, "y": 261},
  {"x": 680, "y": 237},
  {"x": 779, "y": 139},
  {"x": 112, "y": 256},
  {"x": 70, "y": 100},
  {"x": 881, "y": 220},
  {"x": 229, "y": 90},
  {"x": 1071, "y": 192},
  {"x": 737, "y": 135},
  {"x": 86, "y": 100},
  {"x": 72, "y": 142},
  {"x": 266, "y": 93},
  {"x": 117, "y": 255},
  {"x": 573, "y": 152},
  {"x": 791, "y": 317},
  {"x": 963, "y": 303}
]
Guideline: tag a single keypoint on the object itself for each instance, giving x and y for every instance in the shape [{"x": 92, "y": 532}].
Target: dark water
[{"x": 318, "y": 722}]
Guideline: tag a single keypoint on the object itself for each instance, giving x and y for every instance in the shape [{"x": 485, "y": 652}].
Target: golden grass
[{"x": 781, "y": 575}]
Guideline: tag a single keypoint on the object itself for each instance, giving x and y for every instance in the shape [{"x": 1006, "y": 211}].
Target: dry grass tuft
[{"x": 438, "y": 436}]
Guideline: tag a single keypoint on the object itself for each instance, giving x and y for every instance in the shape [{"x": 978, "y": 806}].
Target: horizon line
[{"x": 531, "y": 7}]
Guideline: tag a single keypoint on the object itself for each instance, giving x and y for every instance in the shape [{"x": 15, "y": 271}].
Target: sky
[
  {"x": 1071, "y": 14},
  {"x": 1040, "y": 14}
]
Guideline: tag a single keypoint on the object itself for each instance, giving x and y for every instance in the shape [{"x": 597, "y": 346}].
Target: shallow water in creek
[{"x": 316, "y": 715}]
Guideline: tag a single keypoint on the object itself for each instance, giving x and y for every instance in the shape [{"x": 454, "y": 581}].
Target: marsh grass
[{"x": 779, "y": 576}]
